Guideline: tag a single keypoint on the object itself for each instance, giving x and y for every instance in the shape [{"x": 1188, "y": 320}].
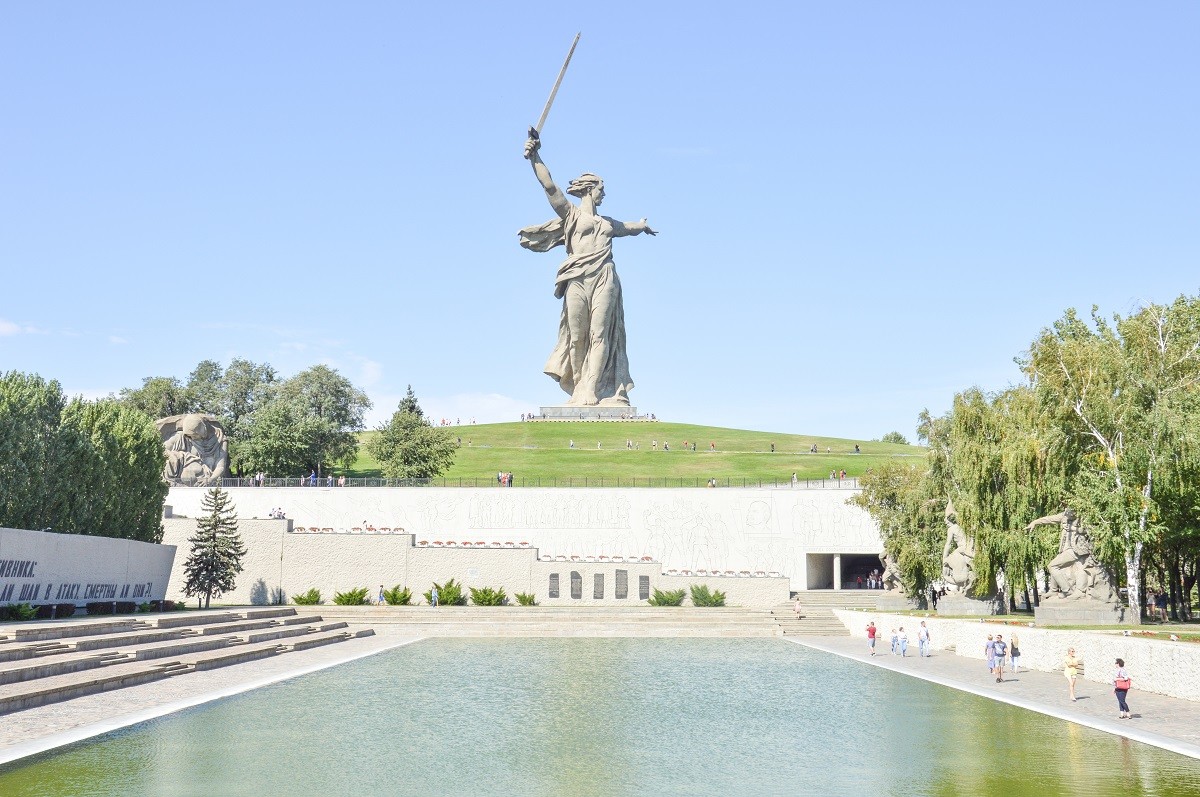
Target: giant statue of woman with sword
[{"x": 590, "y": 362}]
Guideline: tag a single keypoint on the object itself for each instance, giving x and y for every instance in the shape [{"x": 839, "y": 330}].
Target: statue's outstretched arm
[
  {"x": 622, "y": 228},
  {"x": 558, "y": 201},
  {"x": 1048, "y": 520}
]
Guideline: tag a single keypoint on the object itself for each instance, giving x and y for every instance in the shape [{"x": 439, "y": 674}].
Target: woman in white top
[{"x": 1121, "y": 684}]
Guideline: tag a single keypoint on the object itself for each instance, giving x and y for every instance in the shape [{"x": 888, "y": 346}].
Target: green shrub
[
  {"x": 18, "y": 611},
  {"x": 397, "y": 596},
  {"x": 449, "y": 594},
  {"x": 147, "y": 607},
  {"x": 701, "y": 596},
  {"x": 526, "y": 599},
  {"x": 486, "y": 596},
  {"x": 672, "y": 597},
  {"x": 352, "y": 597},
  {"x": 310, "y": 598}
]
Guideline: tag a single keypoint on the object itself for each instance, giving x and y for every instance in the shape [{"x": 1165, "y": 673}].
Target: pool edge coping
[{"x": 1096, "y": 723}]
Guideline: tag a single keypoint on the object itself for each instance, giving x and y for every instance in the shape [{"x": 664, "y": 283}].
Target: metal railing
[{"x": 849, "y": 483}]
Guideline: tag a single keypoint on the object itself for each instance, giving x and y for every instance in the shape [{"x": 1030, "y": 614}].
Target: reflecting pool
[{"x": 605, "y": 717}]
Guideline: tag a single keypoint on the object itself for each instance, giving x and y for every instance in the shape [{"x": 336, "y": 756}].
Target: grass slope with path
[{"x": 541, "y": 450}]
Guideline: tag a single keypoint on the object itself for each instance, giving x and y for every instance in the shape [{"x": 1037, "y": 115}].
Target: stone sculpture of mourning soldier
[{"x": 195, "y": 448}]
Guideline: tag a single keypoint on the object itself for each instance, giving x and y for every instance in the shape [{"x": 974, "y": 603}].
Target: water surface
[{"x": 605, "y": 717}]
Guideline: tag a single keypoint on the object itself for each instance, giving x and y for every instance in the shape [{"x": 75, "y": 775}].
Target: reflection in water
[{"x": 608, "y": 717}]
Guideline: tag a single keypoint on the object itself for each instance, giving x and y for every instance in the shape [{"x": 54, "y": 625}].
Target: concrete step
[
  {"x": 71, "y": 629},
  {"x": 34, "y": 650},
  {"x": 233, "y": 654},
  {"x": 195, "y": 618},
  {"x": 317, "y": 640},
  {"x": 301, "y": 619},
  {"x": 28, "y": 694},
  {"x": 182, "y": 647},
  {"x": 41, "y": 668},
  {"x": 132, "y": 638},
  {"x": 262, "y": 614},
  {"x": 234, "y": 627},
  {"x": 178, "y": 669},
  {"x": 282, "y": 632}
]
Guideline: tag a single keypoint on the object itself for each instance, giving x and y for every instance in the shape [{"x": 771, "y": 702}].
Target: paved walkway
[
  {"x": 35, "y": 730},
  {"x": 1167, "y": 722}
]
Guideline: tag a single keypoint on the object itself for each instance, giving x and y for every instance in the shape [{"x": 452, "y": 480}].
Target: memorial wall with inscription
[{"x": 43, "y": 567}]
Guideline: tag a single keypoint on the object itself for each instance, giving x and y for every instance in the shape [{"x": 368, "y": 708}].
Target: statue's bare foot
[{"x": 585, "y": 398}]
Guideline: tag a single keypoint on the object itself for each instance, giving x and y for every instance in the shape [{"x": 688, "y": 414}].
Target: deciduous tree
[{"x": 408, "y": 447}]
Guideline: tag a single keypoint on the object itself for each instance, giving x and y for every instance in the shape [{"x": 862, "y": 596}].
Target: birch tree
[{"x": 1124, "y": 391}]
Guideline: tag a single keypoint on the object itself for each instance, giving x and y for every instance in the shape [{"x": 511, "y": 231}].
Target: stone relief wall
[{"x": 722, "y": 529}]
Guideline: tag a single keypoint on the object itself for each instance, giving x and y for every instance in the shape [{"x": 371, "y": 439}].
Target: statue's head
[
  {"x": 587, "y": 183},
  {"x": 194, "y": 426}
]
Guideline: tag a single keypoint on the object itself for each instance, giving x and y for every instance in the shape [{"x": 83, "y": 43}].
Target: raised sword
[{"x": 535, "y": 131}]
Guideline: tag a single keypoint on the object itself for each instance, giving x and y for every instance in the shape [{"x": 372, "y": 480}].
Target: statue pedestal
[
  {"x": 958, "y": 603},
  {"x": 596, "y": 413},
  {"x": 1063, "y": 611},
  {"x": 895, "y": 601}
]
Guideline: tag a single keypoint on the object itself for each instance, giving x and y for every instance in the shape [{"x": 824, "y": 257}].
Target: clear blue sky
[{"x": 863, "y": 208}]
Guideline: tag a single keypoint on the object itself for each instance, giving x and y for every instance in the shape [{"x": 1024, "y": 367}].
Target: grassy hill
[{"x": 542, "y": 451}]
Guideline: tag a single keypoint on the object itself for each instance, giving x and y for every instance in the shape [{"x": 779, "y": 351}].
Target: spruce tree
[{"x": 217, "y": 551}]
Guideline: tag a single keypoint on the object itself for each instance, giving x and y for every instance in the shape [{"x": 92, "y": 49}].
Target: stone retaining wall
[
  {"x": 280, "y": 558},
  {"x": 1167, "y": 668}
]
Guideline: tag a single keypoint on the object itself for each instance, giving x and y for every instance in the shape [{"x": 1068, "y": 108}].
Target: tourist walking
[
  {"x": 872, "y": 631},
  {"x": 1121, "y": 684},
  {"x": 797, "y": 609},
  {"x": 1001, "y": 648},
  {"x": 381, "y": 598},
  {"x": 989, "y": 653},
  {"x": 895, "y": 642},
  {"x": 923, "y": 640},
  {"x": 1014, "y": 652},
  {"x": 1071, "y": 670},
  {"x": 903, "y": 643},
  {"x": 433, "y": 596}
]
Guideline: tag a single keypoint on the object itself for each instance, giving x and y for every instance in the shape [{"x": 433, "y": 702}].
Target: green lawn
[{"x": 542, "y": 450}]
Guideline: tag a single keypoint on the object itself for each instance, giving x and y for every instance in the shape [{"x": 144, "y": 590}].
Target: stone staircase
[
  {"x": 817, "y": 617},
  {"x": 67, "y": 659}
]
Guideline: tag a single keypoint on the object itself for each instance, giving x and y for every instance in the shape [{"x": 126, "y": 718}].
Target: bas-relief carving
[
  {"x": 819, "y": 525},
  {"x": 506, "y": 511},
  {"x": 197, "y": 454},
  {"x": 1076, "y": 573}
]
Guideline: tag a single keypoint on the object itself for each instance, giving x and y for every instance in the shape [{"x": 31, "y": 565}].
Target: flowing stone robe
[{"x": 593, "y": 314}]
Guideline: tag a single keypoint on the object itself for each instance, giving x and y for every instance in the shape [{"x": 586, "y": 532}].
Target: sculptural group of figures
[{"x": 1075, "y": 572}]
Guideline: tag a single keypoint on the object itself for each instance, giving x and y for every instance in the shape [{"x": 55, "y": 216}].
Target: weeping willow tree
[
  {"x": 1011, "y": 464},
  {"x": 903, "y": 499}
]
